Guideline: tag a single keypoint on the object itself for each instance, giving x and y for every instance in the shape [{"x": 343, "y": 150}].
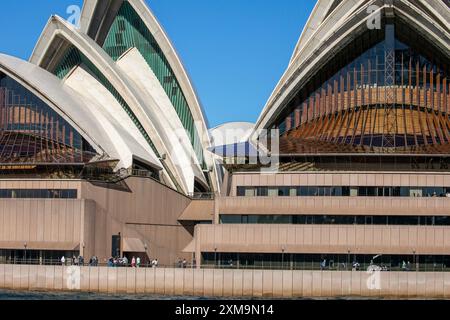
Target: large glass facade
[
  {"x": 326, "y": 261},
  {"x": 348, "y": 101},
  {"x": 128, "y": 31},
  {"x": 32, "y": 132},
  {"x": 38, "y": 193},
  {"x": 336, "y": 220},
  {"x": 342, "y": 191},
  {"x": 36, "y": 257}
]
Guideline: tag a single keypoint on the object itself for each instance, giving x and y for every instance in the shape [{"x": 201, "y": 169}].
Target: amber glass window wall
[
  {"x": 32, "y": 132},
  {"x": 345, "y": 102}
]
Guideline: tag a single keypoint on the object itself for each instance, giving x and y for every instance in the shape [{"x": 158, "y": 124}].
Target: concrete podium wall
[{"x": 225, "y": 283}]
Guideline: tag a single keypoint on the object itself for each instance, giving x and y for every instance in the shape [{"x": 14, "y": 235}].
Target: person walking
[
  {"x": 323, "y": 264},
  {"x": 63, "y": 260}
]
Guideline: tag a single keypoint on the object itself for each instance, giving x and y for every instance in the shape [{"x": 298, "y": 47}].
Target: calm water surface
[{"x": 36, "y": 295}]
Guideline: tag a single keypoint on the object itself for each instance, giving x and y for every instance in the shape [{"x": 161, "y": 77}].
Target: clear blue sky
[{"x": 234, "y": 50}]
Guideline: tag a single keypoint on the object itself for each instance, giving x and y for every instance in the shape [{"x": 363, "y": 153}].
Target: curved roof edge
[
  {"x": 59, "y": 28},
  {"x": 63, "y": 101},
  {"x": 166, "y": 45},
  {"x": 231, "y": 133},
  {"x": 348, "y": 18},
  {"x": 314, "y": 21},
  {"x": 161, "y": 37}
]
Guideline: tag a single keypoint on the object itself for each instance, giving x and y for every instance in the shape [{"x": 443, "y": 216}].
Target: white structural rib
[
  {"x": 103, "y": 133},
  {"x": 231, "y": 133},
  {"x": 57, "y": 31},
  {"x": 96, "y": 19},
  {"x": 128, "y": 139},
  {"x": 167, "y": 48},
  {"x": 345, "y": 22},
  {"x": 165, "y": 118},
  {"x": 318, "y": 14}
]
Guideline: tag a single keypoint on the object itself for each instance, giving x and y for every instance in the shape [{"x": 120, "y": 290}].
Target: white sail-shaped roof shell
[
  {"x": 108, "y": 137},
  {"x": 334, "y": 23},
  {"x": 96, "y": 19},
  {"x": 143, "y": 105}
]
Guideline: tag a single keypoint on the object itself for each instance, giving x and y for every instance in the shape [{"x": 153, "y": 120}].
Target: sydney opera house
[{"x": 105, "y": 149}]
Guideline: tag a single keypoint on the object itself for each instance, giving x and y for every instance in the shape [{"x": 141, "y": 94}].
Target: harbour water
[{"x": 37, "y": 295}]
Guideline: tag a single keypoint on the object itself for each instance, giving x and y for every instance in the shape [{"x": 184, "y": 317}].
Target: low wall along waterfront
[{"x": 227, "y": 283}]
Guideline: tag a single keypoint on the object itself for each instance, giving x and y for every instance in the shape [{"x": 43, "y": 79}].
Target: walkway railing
[
  {"x": 423, "y": 267},
  {"x": 202, "y": 195}
]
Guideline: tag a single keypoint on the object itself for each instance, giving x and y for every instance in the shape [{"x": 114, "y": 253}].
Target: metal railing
[
  {"x": 316, "y": 267},
  {"x": 202, "y": 195},
  {"x": 422, "y": 267},
  {"x": 142, "y": 173},
  {"x": 70, "y": 262}
]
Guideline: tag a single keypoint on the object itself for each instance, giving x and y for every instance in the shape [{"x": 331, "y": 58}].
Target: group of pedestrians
[
  {"x": 406, "y": 266},
  {"x": 79, "y": 261},
  {"x": 135, "y": 262},
  {"x": 74, "y": 261},
  {"x": 182, "y": 263}
]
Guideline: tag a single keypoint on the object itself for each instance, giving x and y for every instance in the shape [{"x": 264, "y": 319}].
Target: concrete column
[{"x": 198, "y": 253}]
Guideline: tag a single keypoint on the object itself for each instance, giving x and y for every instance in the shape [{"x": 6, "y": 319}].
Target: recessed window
[
  {"x": 38, "y": 193},
  {"x": 168, "y": 79},
  {"x": 121, "y": 24},
  {"x": 119, "y": 38}
]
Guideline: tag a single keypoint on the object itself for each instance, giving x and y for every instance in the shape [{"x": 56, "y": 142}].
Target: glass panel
[
  {"x": 250, "y": 192},
  {"x": 293, "y": 192},
  {"x": 35, "y": 133},
  {"x": 417, "y": 64},
  {"x": 273, "y": 192},
  {"x": 128, "y": 31}
]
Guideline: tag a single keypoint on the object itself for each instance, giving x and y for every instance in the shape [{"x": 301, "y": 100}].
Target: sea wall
[{"x": 226, "y": 283}]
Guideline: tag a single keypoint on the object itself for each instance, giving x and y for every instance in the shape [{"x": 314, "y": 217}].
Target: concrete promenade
[{"x": 227, "y": 283}]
